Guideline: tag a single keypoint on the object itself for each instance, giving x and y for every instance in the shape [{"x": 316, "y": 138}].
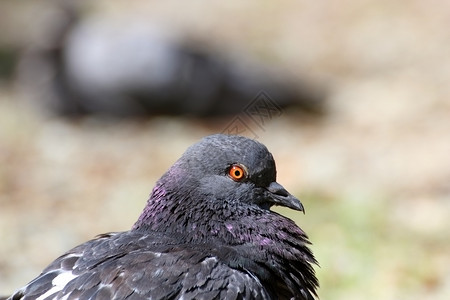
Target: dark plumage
[{"x": 205, "y": 233}]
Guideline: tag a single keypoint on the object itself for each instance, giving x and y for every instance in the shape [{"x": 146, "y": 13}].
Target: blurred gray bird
[{"x": 101, "y": 66}]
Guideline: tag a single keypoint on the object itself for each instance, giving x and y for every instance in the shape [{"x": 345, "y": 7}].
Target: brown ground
[{"x": 374, "y": 174}]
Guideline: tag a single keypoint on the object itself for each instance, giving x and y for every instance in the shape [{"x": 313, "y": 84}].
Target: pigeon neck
[
  {"x": 169, "y": 211},
  {"x": 203, "y": 221},
  {"x": 254, "y": 232}
]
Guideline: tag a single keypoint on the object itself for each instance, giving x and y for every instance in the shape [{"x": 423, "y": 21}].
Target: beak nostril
[
  {"x": 280, "y": 196},
  {"x": 282, "y": 192},
  {"x": 278, "y": 189}
]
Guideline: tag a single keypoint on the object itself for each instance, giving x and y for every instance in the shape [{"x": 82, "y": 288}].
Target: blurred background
[{"x": 99, "y": 98}]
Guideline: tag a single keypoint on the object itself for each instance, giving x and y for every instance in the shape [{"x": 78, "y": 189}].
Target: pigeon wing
[{"x": 140, "y": 266}]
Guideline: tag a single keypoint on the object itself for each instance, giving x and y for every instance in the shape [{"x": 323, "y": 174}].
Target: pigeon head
[
  {"x": 234, "y": 168},
  {"x": 220, "y": 170}
]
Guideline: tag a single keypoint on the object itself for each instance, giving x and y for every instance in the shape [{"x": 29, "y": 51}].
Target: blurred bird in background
[{"x": 122, "y": 67}]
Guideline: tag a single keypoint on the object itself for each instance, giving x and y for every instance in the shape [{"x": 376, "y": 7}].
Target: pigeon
[
  {"x": 207, "y": 232},
  {"x": 93, "y": 65}
]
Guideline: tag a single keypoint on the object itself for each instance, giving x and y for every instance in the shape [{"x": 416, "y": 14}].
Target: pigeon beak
[{"x": 282, "y": 197}]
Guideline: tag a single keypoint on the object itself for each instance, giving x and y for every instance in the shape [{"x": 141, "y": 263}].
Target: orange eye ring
[{"x": 237, "y": 172}]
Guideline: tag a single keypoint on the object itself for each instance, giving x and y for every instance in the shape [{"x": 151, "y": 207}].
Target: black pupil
[{"x": 237, "y": 173}]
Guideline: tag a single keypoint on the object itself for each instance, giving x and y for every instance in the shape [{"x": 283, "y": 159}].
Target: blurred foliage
[
  {"x": 361, "y": 247},
  {"x": 8, "y": 61}
]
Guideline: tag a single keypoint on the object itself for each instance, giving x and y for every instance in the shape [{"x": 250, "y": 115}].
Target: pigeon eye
[{"x": 237, "y": 172}]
